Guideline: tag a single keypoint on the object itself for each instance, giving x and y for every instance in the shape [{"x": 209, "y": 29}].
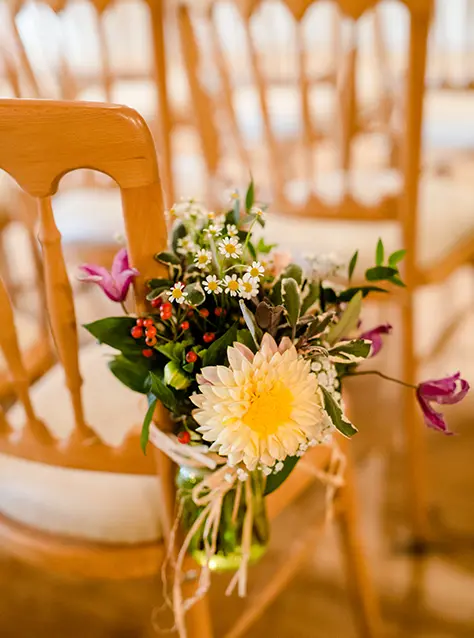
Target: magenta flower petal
[
  {"x": 120, "y": 263},
  {"x": 445, "y": 391},
  {"x": 115, "y": 283},
  {"x": 375, "y": 336}
]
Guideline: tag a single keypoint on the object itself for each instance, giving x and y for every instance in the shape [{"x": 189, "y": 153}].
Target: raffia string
[{"x": 209, "y": 494}]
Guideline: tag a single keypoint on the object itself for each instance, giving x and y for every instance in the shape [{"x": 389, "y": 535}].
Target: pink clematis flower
[
  {"x": 375, "y": 336},
  {"x": 115, "y": 283},
  {"x": 444, "y": 391}
]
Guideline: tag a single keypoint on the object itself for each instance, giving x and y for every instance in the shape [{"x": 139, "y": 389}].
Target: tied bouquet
[{"x": 248, "y": 353}]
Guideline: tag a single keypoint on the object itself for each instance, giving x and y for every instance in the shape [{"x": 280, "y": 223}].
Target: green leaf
[
  {"x": 351, "y": 351},
  {"x": 159, "y": 289},
  {"x": 396, "y": 257},
  {"x": 175, "y": 377},
  {"x": 167, "y": 258},
  {"x": 250, "y": 196},
  {"x": 146, "y": 423},
  {"x": 290, "y": 293},
  {"x": 115, "y": 332},
  {"x": 196, "y": 294},
  {"x": 293, "y": 271},
  {"x": 275, "y": 293},
  {"x": 319, "y": 325},
  {"x": 162, "y": 392},
  {"x": 335, "y": 414},
  {"x": 352, "y": 264},
  {"x": 264, "y": 248},
  {"x": 311, "y": 297},
  {"x": 380, "y": 273},
  {"x": 397, "y": 281},
  {"x": 347, "y": 295},
  {"x": 188, "y": 367},
  {"x": 158, "y": 282},
  {"x": 244, "y": 336},
  {"x": 348, "y": 321},
  {"x": 173, "y": 350},
  {"x": 179, "y": 231},
  {"x": 217, "y": 352},
  {"x": 130, "y": 373},
  {"x": 252, "y": 250},
  {"x": 275, "y": 480},
  {"x": 379, "y": 253},
  {"x": 236, "y": 211},
  {"x": 251, "y": 322}
]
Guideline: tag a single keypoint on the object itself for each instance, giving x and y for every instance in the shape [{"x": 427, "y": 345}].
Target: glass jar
[{"x": 229, "y": 539}]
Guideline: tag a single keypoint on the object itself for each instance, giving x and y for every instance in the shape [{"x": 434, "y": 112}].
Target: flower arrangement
[{"x": 248, "y": 352}]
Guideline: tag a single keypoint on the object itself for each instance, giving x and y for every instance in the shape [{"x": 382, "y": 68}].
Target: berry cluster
[{"x": 145, "y": 327}]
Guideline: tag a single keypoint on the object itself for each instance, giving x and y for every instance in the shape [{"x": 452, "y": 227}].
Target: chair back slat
[
  {"x": 41, "y": 141},
  {"x": 322, "y": 129},
  {"x": 61, "y": 309}
]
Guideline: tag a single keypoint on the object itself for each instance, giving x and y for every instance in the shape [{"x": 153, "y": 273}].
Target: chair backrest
[
  {"x": 103, "y": 50},
  {"x": 275, "y": 103},
  {"x": 41, "y": 141}
]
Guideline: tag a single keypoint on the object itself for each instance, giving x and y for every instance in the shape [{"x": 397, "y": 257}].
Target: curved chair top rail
[{"x": 41, "y": 141}]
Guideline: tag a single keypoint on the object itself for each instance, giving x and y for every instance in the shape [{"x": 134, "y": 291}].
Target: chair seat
[
  {"x": 446, "y": 217},
  {"x": 96, "y": 506}
]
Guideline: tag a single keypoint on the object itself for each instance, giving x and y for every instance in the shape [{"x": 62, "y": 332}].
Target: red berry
[
  {"x": 166, "y": 306},
  {"x": 136, "y": 332},
  {"x": 156, "y": 303},
  {"x": 151, "y": 341},
  {"x": 185, "y": 325},
  {"x": 219, "y": 311},
  {"x": 165, "y": 316},
  {"x": 147, "y": 352},
  {"x": 190, "y": 313},
  {"x": 184, "y": 437},
  {"x": 151, "y": 331},
  {"x": 148, "y": 322},
  {"x": 191, "y": 356},
  {"x": 209, "y": 336},
  {"x": 140, "y": 321},
  {"x": 204, "y": 312}
]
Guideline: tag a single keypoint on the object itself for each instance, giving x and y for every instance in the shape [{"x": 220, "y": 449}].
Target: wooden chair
[
  {"x": 115, "y": 141},
  {"x": 340, "y": 190},
  {"x": 68, "y": 50}
]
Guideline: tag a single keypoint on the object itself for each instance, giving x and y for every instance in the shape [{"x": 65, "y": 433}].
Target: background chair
[
  {"x": 70, "y": 462},
  {"x": 334, "y": 174}
]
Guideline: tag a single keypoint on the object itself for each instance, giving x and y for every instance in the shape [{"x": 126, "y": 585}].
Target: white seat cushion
[
  {"x": 446, "y": 216},
  {"x": 92, "y": 505}
]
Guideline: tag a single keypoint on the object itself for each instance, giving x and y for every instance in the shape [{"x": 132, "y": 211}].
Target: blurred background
[{"x": 349, "y": 137}]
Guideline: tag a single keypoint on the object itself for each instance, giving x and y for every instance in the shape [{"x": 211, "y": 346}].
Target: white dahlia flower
[{"x": 263, "y": 407}]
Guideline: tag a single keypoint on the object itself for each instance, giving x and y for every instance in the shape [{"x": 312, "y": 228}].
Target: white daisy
[
  {"x": 248, "y": 286},
  {"x": 213, "y": 230},
  {"x": 233, "y": 194},
  {"x": 256, "y": 211},
  {"x": 187, "y": 209},
  {"x": 176, "y": 293},
  {"x": 232, "y": 285},
  {"x": 203, "y": 258},
  {"x": 256, "y": 270},
  {"x": 232, "y": 230},
  {"x": 263, "y": 407},
  {"x": 212, "y": 285},
  {"x": 230, "y": 247},
  {"x": 185, "y": 245}
]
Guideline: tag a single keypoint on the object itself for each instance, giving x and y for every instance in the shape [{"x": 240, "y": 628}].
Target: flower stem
[
  {"x": 124, "y": 307},
  {"x": 247, "y": 239},
  {"x": 381, "y": 374}
]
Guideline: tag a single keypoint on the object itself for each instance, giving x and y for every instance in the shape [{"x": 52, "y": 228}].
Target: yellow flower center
[
  {"x": 269, "y": 410},
  {"x": 202, "y": 259},
  {"x": 177, "y": 294},
  {"x": 230, "y": 248},
  {"x": 233, "y": 285},
  {"x": 254, "y": 272},
  {"x": 212, "y": 285},
  {"x": 247, "y": 286}
]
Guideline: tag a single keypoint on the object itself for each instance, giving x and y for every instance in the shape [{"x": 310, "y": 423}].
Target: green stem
[
  {"x": 247, "y": 239},
  {"x": 124, "y": 307},
  {"x": 381, "y": 374},
  {"x": 215, "y": 258}
]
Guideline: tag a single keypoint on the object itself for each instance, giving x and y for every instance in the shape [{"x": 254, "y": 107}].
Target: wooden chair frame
[{"x": 116, "y": 141}]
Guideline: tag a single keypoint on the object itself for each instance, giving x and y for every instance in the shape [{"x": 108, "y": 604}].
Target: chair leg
[
  {"x": 198, "y": 619},
  {"x": 414, "y": 435},
  {"x": 361, "y": 588}
]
